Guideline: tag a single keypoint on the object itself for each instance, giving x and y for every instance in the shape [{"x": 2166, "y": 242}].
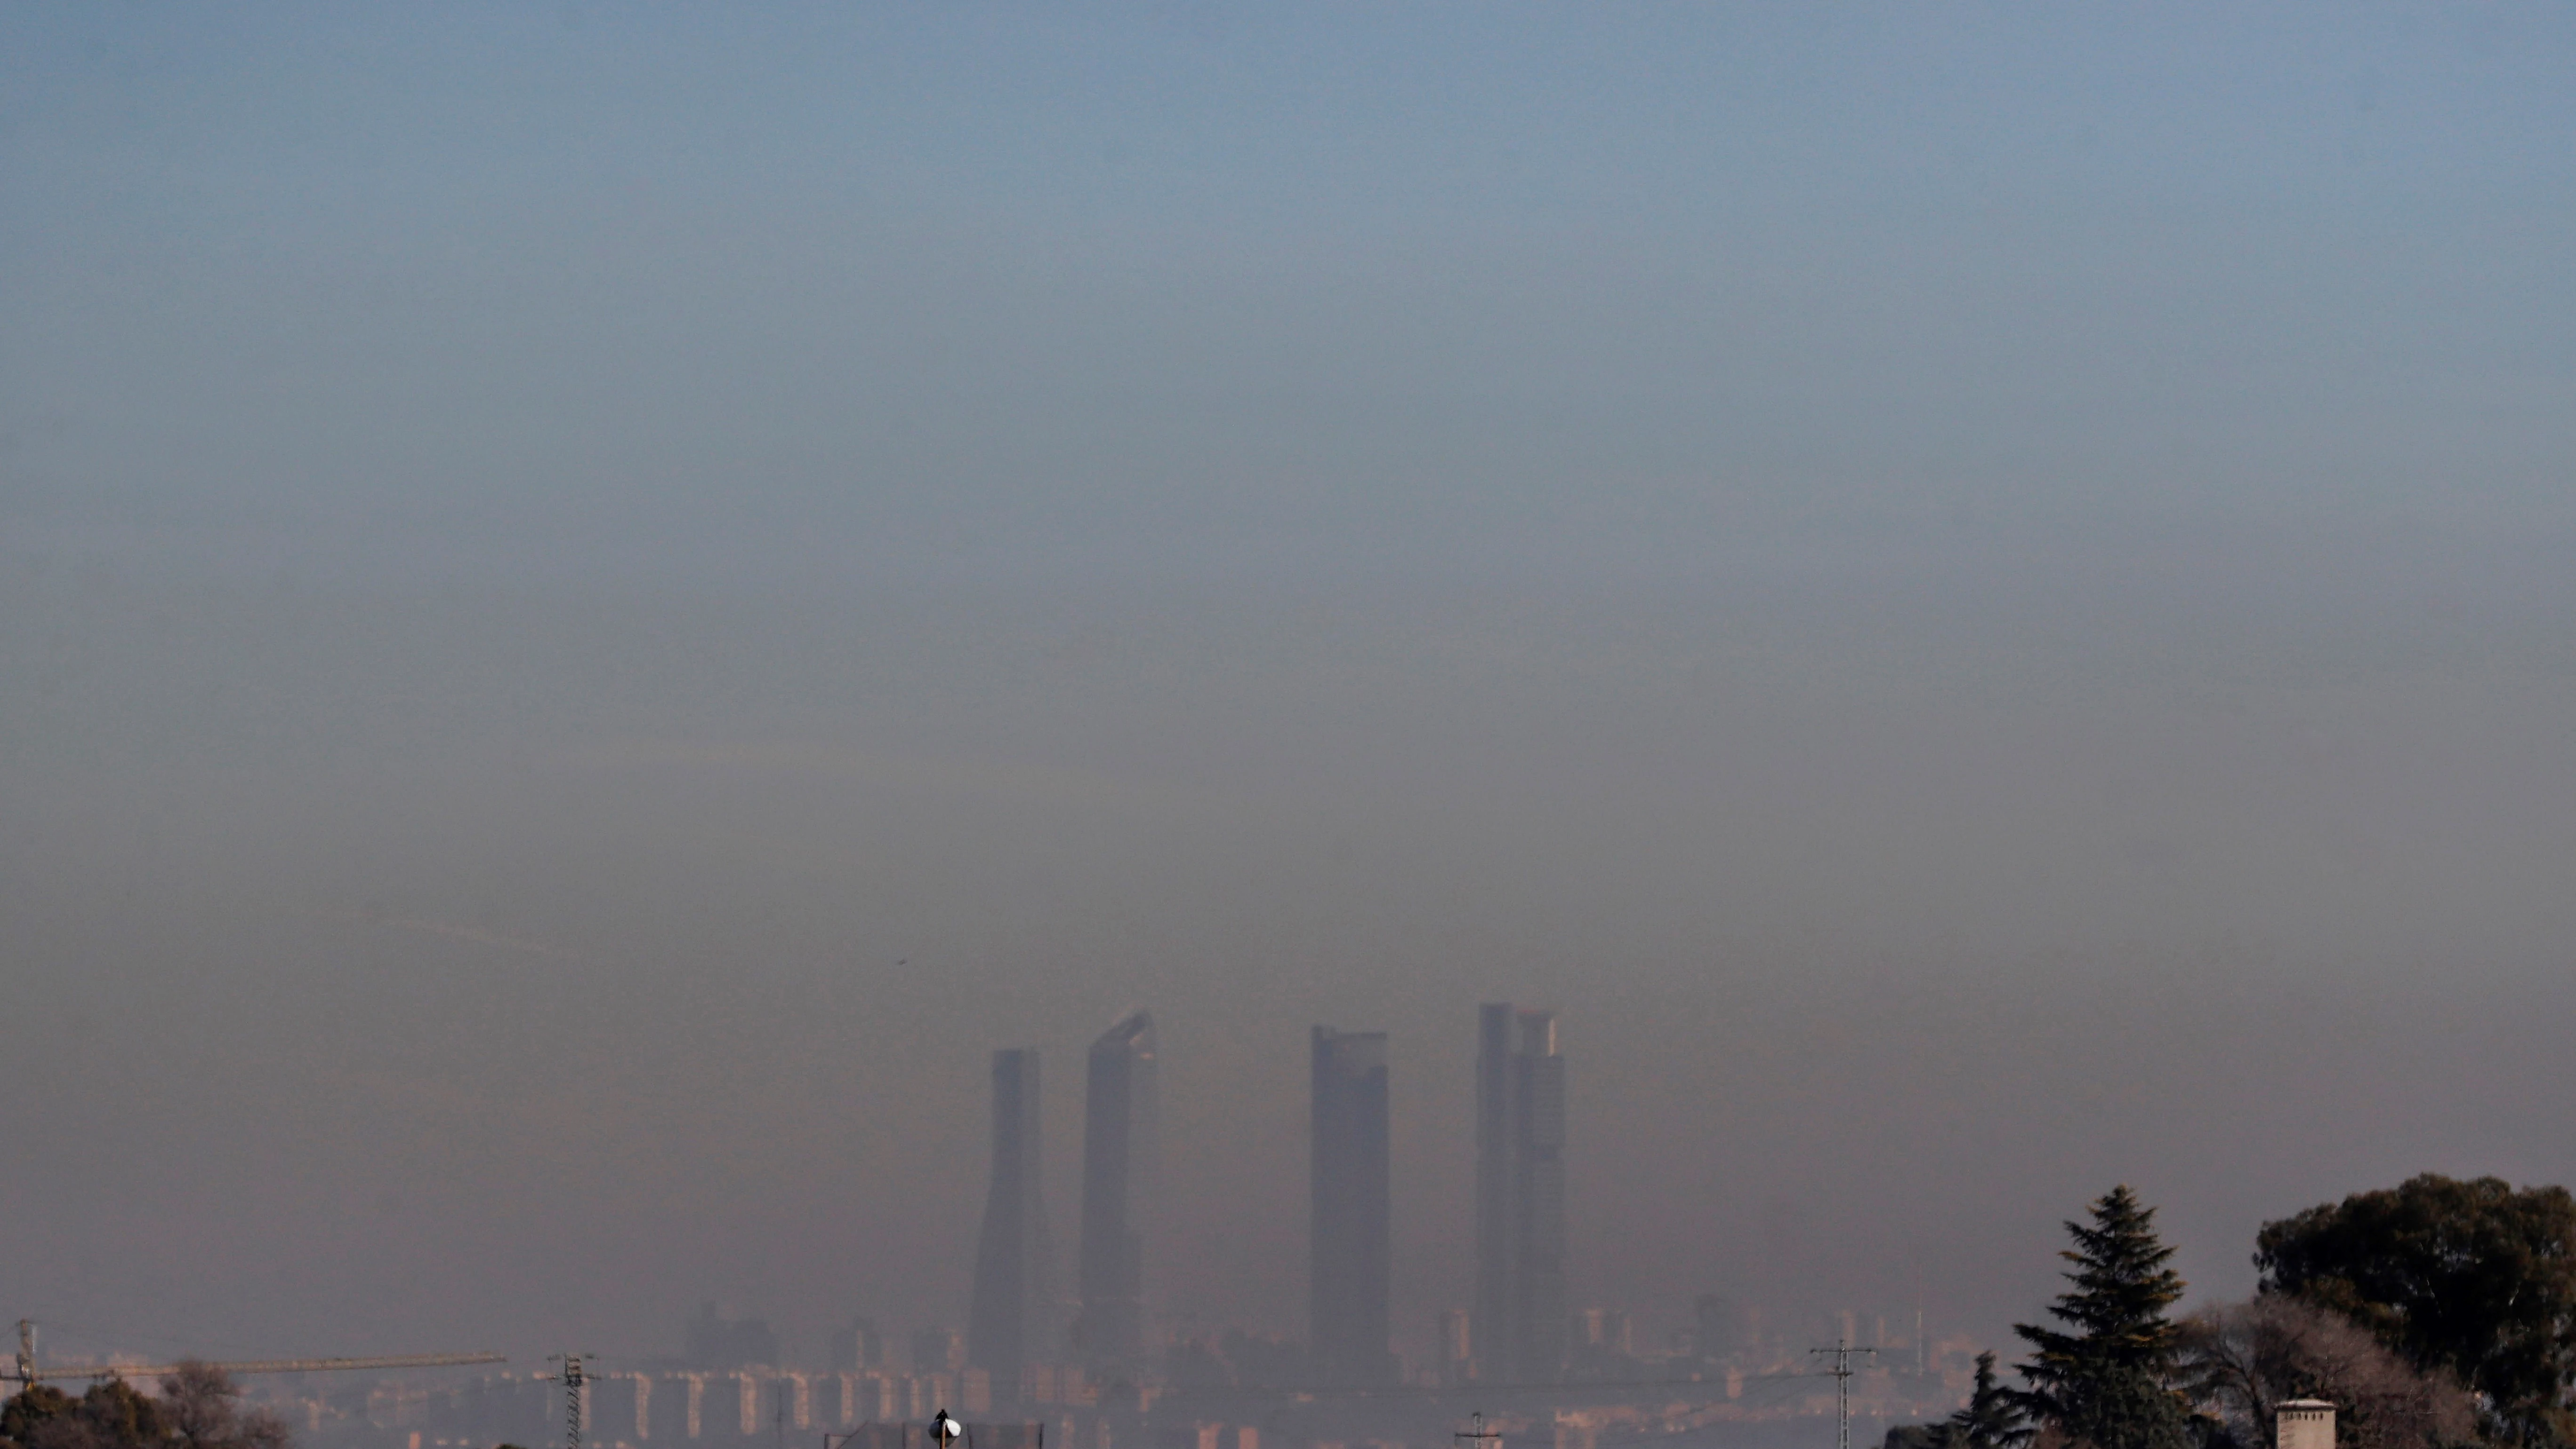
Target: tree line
[
  {"x": 199, "y": 1407},
  {"x": 2432, "y": 1315}
]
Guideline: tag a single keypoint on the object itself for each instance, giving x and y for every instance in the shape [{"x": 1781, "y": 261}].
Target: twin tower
[
  {"x": 1519, "y": 1322},
  {"x": 1013, "y": 1328}
]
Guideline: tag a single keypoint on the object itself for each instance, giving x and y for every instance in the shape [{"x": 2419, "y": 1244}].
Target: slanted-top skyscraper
[
  {"x": 1347, "y": 1284},
  {"x": 1119, "y": 1158},
  {"x": 1010, "y": 1323},
  {"x": 1520, "y": 1319}
]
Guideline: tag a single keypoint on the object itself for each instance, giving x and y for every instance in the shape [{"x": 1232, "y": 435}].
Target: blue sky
[{"x": 1200, "y": 280}]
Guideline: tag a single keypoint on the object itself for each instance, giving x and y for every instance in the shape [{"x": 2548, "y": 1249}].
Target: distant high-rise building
[
  {"x": 1347, "y": 1282},
  {"x": 1520, "y": 1196},
  {"x": 1010, "y": 1320},
  {"x": 1119, "y": 1153}
]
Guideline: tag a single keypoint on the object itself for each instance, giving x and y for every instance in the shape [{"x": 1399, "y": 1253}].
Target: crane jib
[{"x": 27, "y": 1372}]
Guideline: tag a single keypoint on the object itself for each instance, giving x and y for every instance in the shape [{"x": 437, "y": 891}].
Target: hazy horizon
[{"x": 597, "y": 604}]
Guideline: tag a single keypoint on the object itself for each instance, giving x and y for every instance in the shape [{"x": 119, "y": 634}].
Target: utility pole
[
  {"x": 575, "y": 1380},
  {"x": 1842, "y": 1372},
  {"x": 1476, "y": 1435}
]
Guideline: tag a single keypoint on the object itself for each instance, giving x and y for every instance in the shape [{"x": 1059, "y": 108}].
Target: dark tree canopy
[
  {"x": 1990, "y": 1421},
  {"x": 1918, "y": 1436},
  {"x": 110, "y": 1416},
  {"x": 2476, "y": 1278},
  {"x": 2104, "y": 1378},
  {"x": 30, "y": 1412},
  {"x": 198, "y": 1408},
  {"x": 2241, "y": 1361}
]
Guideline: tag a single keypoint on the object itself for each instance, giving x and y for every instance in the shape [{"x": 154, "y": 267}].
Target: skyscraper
[
  {"x": 1010, "y": 1321},
  {"x": 1118, "y": 1168},
  {"x": 1520, "y": 1196},
  {"x": 1347, "y": 1282}
]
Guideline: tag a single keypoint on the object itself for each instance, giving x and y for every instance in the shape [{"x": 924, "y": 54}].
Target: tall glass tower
[
  {"x": 1119, "y": 1126},
  {"x": 1520, "y": 1322},
  {"x": 1348, "y": 1269},
  {"x": 1008, "y": 1326}
]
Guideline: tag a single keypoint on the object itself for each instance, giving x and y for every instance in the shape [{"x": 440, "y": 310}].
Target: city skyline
[
  {"x": 1522, "y": 1319},
  {"x": 596, "y": 600}
]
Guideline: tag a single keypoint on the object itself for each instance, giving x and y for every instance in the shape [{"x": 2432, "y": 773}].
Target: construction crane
[{"x": 28, "y": 1375}]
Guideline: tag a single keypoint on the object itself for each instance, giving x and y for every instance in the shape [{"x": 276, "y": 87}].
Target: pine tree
[
  {"x": 2104, "y": 1380},
  {"x": 1992, "y": 1420}
]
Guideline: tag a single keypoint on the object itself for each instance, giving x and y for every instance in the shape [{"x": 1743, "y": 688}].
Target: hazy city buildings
[
  {"x": 1719, "y": 1328},
  {"x": 938, "y": 1351},
  {"x": 858, "y": 1348},
  {"x": 1457, "y": 1347},
  {"x": 1119, "y": 1154},
  {"x": 1520, "y": 1322},
  {"x": 1010, "y": 1321},
  {"x": 1351, "y": 1225},
  {"x": 718, "y": 1340}
]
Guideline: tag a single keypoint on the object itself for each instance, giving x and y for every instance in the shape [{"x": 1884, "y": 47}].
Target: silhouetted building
[
  {"x": 1347, "y": 1273},
  {"x": 1009, "y": 1323},
  {"x": 1520, "y": 1196},
  {"x": 1119, "y": 1157}
]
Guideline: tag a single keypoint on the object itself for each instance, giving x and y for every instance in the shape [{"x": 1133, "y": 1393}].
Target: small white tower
[{"x": 2304, "y": 1424}]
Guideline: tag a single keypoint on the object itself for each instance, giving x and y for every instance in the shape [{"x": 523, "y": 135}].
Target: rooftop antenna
[
  {"x": 1476, "y": 1435},
  {"x": 1922, "y": 1353},
  {"x": 1842, "y": 1372}
]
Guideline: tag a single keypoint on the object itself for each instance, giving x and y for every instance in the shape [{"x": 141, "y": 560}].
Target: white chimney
[{"x": 2304, "y": 1424}]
